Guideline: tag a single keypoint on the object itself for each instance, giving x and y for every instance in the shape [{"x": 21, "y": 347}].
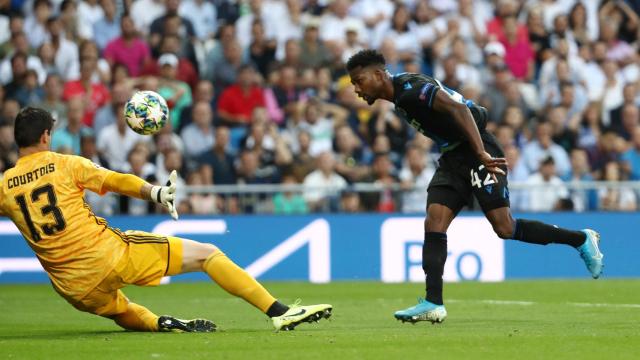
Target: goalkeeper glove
[{"x": 165, "y": 195}]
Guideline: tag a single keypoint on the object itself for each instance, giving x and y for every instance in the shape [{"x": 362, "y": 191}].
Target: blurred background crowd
[{"x": 258, "y": 94}]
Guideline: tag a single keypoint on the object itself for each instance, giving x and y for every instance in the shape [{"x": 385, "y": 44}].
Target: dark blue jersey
[{"x": 414, "y": 94}]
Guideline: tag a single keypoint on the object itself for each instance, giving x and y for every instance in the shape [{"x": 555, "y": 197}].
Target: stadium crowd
[{"x": 258, "y": 94}]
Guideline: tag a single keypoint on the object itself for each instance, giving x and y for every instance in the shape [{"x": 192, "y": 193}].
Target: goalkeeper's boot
[
  {"x": 169, "y": 323},
  {"x": 423, "y": 311},
  {"x": 298, "y": 314},
  {"x": 590, "y": 253}
]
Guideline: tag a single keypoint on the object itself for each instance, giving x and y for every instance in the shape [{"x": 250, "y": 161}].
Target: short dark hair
[
  {"x": 364, "y": 58},
  {"x": 30, "y": 124}
]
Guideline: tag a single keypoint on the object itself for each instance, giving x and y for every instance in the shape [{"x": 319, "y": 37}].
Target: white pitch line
[{"x": 529, "y": 303}]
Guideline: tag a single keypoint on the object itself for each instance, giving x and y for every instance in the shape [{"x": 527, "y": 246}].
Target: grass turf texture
[{"x": 555, "y": 320}]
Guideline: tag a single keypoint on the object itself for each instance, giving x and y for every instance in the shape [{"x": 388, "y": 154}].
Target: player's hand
[
  {"x": 493, "y": 164},
  {"x": 165, "y": 195}
]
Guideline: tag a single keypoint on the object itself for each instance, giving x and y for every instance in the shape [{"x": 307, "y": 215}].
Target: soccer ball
[{"x": 146, "y": 112}]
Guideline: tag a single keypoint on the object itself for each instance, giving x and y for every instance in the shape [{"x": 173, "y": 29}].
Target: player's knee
[
  {"x": 504, "y": 229},
  {"x": 435, "y": 223}
]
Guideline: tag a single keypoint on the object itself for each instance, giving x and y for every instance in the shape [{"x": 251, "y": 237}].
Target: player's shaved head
[{"x": 31, "y": 123}]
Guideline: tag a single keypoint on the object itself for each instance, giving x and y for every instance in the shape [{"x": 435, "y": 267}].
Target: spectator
[
  {"x": 320, "y": 120},
  {"x": 108, "y": 114},
  {"x": 93, "y": 94},
  {"x": 176, "y": 92},
  {"x": 415, "y": 176},
  {"x": 237, "y": 102},
  {"x": 108, "y": 27},
  {"x": 35, "y": 25},
  {"x": 382, "y": 175},
  {"x": 401, "y": 29},
  {"x": 334, "y": 23},
  {"x": 351, "y": 156},
  {"x": 323, "y": 184},
  {"x": 250, "y": 171},
  {"x": 29, "y": 92},
  {"x": 262, "y": 51},
  {"x": 67, "y": 138},
  {"x": 202, "y": 15},
  {"x": 631, "y": 158},
  {"x": 616, "y": 199},
  {"x": 629, "y": 98},
  {"x": 103, "y": 205},
  {"x": 542, "y": 147},
  {"x": 128, "y": 49},
  {"x": 582, "y": 199},
  {"x": 226, "y": 69},
  {"x": 89, "y": 13},
  {"x": 289, "y": 202},
  {"x": 203, "y": 92},
  {"x": 216, "y": 166},
  {"x": 517, "y": 173},
  {"x": 20, "y": 45},
  {"x": 67, "y": 55},
  {"x": 8, "y": 147},
  {"x": 160, "y": 26},
  {"x": 201, "y": 203},
  {"x": 138, "y": 165},
  {"x": 547, "y": 189},
  {"x": 303, "y": 161},
  {"x": 117, "y": 139},
  {"x": 186, "y": 72},
  {"x": 313, "y": 53},
  {"x": 285, "y": 96},
  {"x": 350, "y": 202},
  {"x": 52, "y": 101},
  {"x": 144, "y": 12},
  {"x": 198, "y": 137}
]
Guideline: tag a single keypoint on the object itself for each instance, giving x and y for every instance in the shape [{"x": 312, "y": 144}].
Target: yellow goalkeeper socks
[
  {"x": 236, "y": 281},
  {"x": 137, "y": 318}
]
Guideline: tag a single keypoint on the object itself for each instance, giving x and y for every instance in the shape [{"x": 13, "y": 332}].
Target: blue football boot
[
  {"x": 590, "y": 253},
  {"x": 423, "y": 311}
]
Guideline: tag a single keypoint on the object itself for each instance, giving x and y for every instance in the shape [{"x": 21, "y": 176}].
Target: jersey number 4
[
  {"x": 50, "y": 208},
  {"x": 475, "y": 178}
]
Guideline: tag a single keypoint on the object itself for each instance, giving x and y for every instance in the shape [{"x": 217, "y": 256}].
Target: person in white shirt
[
  {"x": 203, "y": 16},
  {"x": 323, "y": 184},
  {"x": 335, "y": 22},
  {"x": 89, "y": 13},
  {"x": 543, "y": 146},
  {"x": 116, "y": 140},
  {"x": 198, "y": 136},
  {"x": 143, "y": 12},
  {"x": 415, "y": 176},
  {"x": 547, "y": 189}
]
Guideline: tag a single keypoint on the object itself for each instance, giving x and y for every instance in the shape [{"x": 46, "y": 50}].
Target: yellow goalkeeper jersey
[{"x": 44, "y": 196}]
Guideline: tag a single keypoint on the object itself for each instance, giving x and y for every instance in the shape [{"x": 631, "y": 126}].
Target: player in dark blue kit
[{"x": 472, "y": 162}]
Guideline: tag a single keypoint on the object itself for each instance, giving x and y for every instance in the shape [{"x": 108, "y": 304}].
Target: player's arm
[
  {"x": 461, "y": 114},
  {"x": 131, "y": 185}
]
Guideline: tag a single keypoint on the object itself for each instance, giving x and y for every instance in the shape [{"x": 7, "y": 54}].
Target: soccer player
[
  {"x": 88, "y": 261},
  {"x": 472, "y": 162}
]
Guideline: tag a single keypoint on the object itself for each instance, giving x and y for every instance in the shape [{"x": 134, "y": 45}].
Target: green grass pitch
[{"x": 585, "y": 319}]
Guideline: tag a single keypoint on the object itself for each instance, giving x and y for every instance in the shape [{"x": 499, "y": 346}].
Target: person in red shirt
[
  {"x": 128, "y": 49},
  {"x": 237, "y": 101},
  {"x": 94, "y": 94},
  {"x": 505, "y": 9},
  {"x": 519, "y": 54}
]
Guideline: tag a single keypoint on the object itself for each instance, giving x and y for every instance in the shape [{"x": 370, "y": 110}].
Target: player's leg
[
  {"x": 108, "y": 301},
  {"x": 443, "y": 204},
  {"x": 536, "y": 232},
  {"x": 493, "y": 197},
  {"x": 198, "y": 256}
]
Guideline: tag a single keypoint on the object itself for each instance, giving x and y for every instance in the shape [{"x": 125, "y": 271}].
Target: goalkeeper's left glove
[{"x": 165, "y": 195}]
